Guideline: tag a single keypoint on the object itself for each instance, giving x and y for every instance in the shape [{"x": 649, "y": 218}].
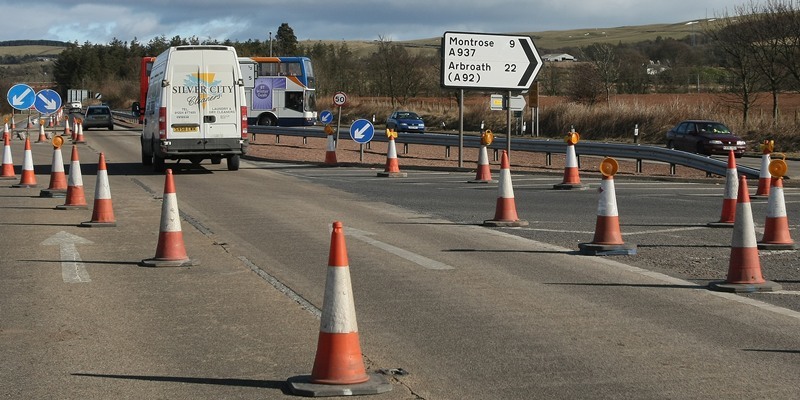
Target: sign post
[
  {"x": 489, "y": 61},
  {"x": 362, "y": 131},
  {"x": 339, "y": 100}
]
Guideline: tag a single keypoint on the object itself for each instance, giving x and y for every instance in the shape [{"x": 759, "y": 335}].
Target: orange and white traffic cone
[
  {"x": 572, "y": 179},
  {"x": 776, "y": 228},
  {"x": 764, "y": 177},
  {"x": 330, "y": 152},
  {"x": 42, "y": 135},
  {"x": 484, "y": 173},
  {"x": 79, "y": 135},
  {"x": 58, "y": 179},
  {"x": 607, "y": 234},
  {"x": 6, "y": 132},
  {"x": 75, "y": 198},
  {"x": 28, "y": 177},
  {"x": 744, "y": 267},
  {"x": 338, "y": 365},
  {"x": 170, "y": 251},
  {"x": 13, "y": 124},
  {"x": 67, "y": 130},
  {"x": 103, "y": 211},
  {"x": 506, "y": 209},
  {"x": 728, "y": 215},
  {"x": 8, "y": 162},
  {"x": 392, "y": 169},
  {"x": 30, "y": 123}
]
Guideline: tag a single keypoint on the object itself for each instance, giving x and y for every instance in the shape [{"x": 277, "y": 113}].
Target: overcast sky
[{"x": 101, "y": 21}]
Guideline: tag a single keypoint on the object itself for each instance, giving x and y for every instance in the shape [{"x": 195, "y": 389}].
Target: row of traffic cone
[{"x": 72, "y": 188}]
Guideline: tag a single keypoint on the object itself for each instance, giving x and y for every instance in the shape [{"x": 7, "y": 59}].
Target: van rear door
[
  {"x": 220, "y": 103},
  {"x": 184, "y": 114}
]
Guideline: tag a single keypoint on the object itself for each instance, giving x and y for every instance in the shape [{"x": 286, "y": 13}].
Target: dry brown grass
[{"x": 654, "y": 114}]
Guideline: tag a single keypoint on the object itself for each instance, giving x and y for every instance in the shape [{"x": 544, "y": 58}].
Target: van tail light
[
  {"x": 244, "y": 122},
  {"x": 162, "y": 123}
]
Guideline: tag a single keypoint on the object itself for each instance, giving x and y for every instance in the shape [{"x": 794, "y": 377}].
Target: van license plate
[{"x": 184, "y": 129}]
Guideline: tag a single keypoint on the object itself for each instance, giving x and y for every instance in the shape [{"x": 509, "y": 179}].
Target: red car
[{"x": 705, "y": 137}]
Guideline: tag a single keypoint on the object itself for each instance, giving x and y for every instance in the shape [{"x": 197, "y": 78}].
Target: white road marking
[
  {"x": 72, "y": 268},
  {"x": 402, "y": 253}
]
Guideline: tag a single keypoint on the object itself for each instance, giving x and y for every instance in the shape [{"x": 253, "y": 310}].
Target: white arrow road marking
[
  {"x": 17, "y": 100},
  {"x": 402, "y": 253},
  {"x": 72, "y": 268},
  {"x": 48, "y": 104},
  {"x": 359, "y": 133}
]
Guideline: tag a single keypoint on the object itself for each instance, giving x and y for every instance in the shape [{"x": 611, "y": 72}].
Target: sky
[{"x": 99, "y": 22}]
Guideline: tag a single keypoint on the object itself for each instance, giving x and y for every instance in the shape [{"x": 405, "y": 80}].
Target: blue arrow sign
[
  {"x": 326, "y": 117},
  {"x": 47, "y": 101},
  {"x": 21, "y": 96},
  {"x": 362, "y": 131}
]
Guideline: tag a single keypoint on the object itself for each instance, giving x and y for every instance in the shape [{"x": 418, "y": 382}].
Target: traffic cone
[
  {"x": 28, "y": 178},
  {"x": 744, "y": 267},
  {"x": 392, "y": 166},
  {"x": 30, "y": 123},
  {"x": 76, "y": 199},
  {"x": 338, "y": 365},
  {"x": 13, "y": 124},
  {"x": 6, "y": 132},
  {"x": 728, "y": 215},
  {"x": 484, "y": 173},
  {"x": 75, "y": 130},
  {"x": 58, "y": 180},
  {"x": 67, "y": 131},
  {"x": 506, "y": 209},
  {"x": 103, "y": 212},
  {"x": 330, "y": 152},
  {"x": 776, "y": 228},
  {"x": 572, "y": 179},
  {"x": 170, "y": 251},
  {"x": 764, "y": 177},
  {"x": 42, "y": 135},
  {"x": 8, "y": 162},
  {"x": 607, "y": 234},
  {"x": 79, "y": 136}
]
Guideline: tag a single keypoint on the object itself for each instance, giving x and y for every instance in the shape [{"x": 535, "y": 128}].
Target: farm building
[{"x": 558, "y": 57}]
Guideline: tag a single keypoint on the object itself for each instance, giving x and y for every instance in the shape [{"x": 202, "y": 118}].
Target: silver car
[{"x": 98, "y": 117}]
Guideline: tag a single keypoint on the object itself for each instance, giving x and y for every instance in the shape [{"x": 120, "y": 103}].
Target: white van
[{"x": 195, "y": 107}]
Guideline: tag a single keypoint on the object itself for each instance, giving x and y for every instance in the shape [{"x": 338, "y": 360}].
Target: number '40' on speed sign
[{"x": 339, "y": 99}]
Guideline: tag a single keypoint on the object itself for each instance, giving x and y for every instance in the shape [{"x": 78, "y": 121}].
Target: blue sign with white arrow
[
  {"x": 326, "y": 117},
  {"x": 362, "y": 131},
  {"x": 21, "y": 96},
  {"x": 47, "y": 101}
]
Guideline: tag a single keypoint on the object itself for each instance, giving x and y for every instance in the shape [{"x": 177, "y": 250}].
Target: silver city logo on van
[{"x": 204, "y": 85}]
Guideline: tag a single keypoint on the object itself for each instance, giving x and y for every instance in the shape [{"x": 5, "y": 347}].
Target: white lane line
[
  {"x": 402, "y": 253},
  {"x": 687, "y": 228},
  {"x": 73, "y": 270}
]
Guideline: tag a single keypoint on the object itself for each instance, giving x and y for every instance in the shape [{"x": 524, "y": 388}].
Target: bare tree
[
  {"x": 734, "y": 40},
  {"x": 606, "y": 64}
]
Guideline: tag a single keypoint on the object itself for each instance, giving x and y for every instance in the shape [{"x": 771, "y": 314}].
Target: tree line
[{"x": 753, "y": 50}]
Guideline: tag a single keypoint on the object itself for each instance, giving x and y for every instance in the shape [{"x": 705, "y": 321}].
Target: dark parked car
[
  {"x": 705, "y": 137},
  {"x": 405, "y": 121},
  {"x": 98, "y": 117}
]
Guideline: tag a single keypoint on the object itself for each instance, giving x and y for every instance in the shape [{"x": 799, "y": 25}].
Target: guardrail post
[
  {"x": 369, "y": 145},
  {"x": 305, "y": 139},
  {"x": 548, "y": 159},
  {"x": 672, "y": 169},
  {"x": 496, "y": 152},
  {"x": 639, "y": 165},
  {"x": 405, "y": 148},
  {"x": 277, "y": 138},
  {"x": 578, "y": 158},
  {"x": 446, "y": 151}
]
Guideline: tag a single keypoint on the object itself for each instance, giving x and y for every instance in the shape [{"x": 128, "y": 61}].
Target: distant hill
[
  {"x": 544, "y": 40},
  {"x": 552, "y": 40}
]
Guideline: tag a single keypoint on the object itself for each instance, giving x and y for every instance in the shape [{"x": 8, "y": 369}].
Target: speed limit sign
[{"x": 339, "y": 99}]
